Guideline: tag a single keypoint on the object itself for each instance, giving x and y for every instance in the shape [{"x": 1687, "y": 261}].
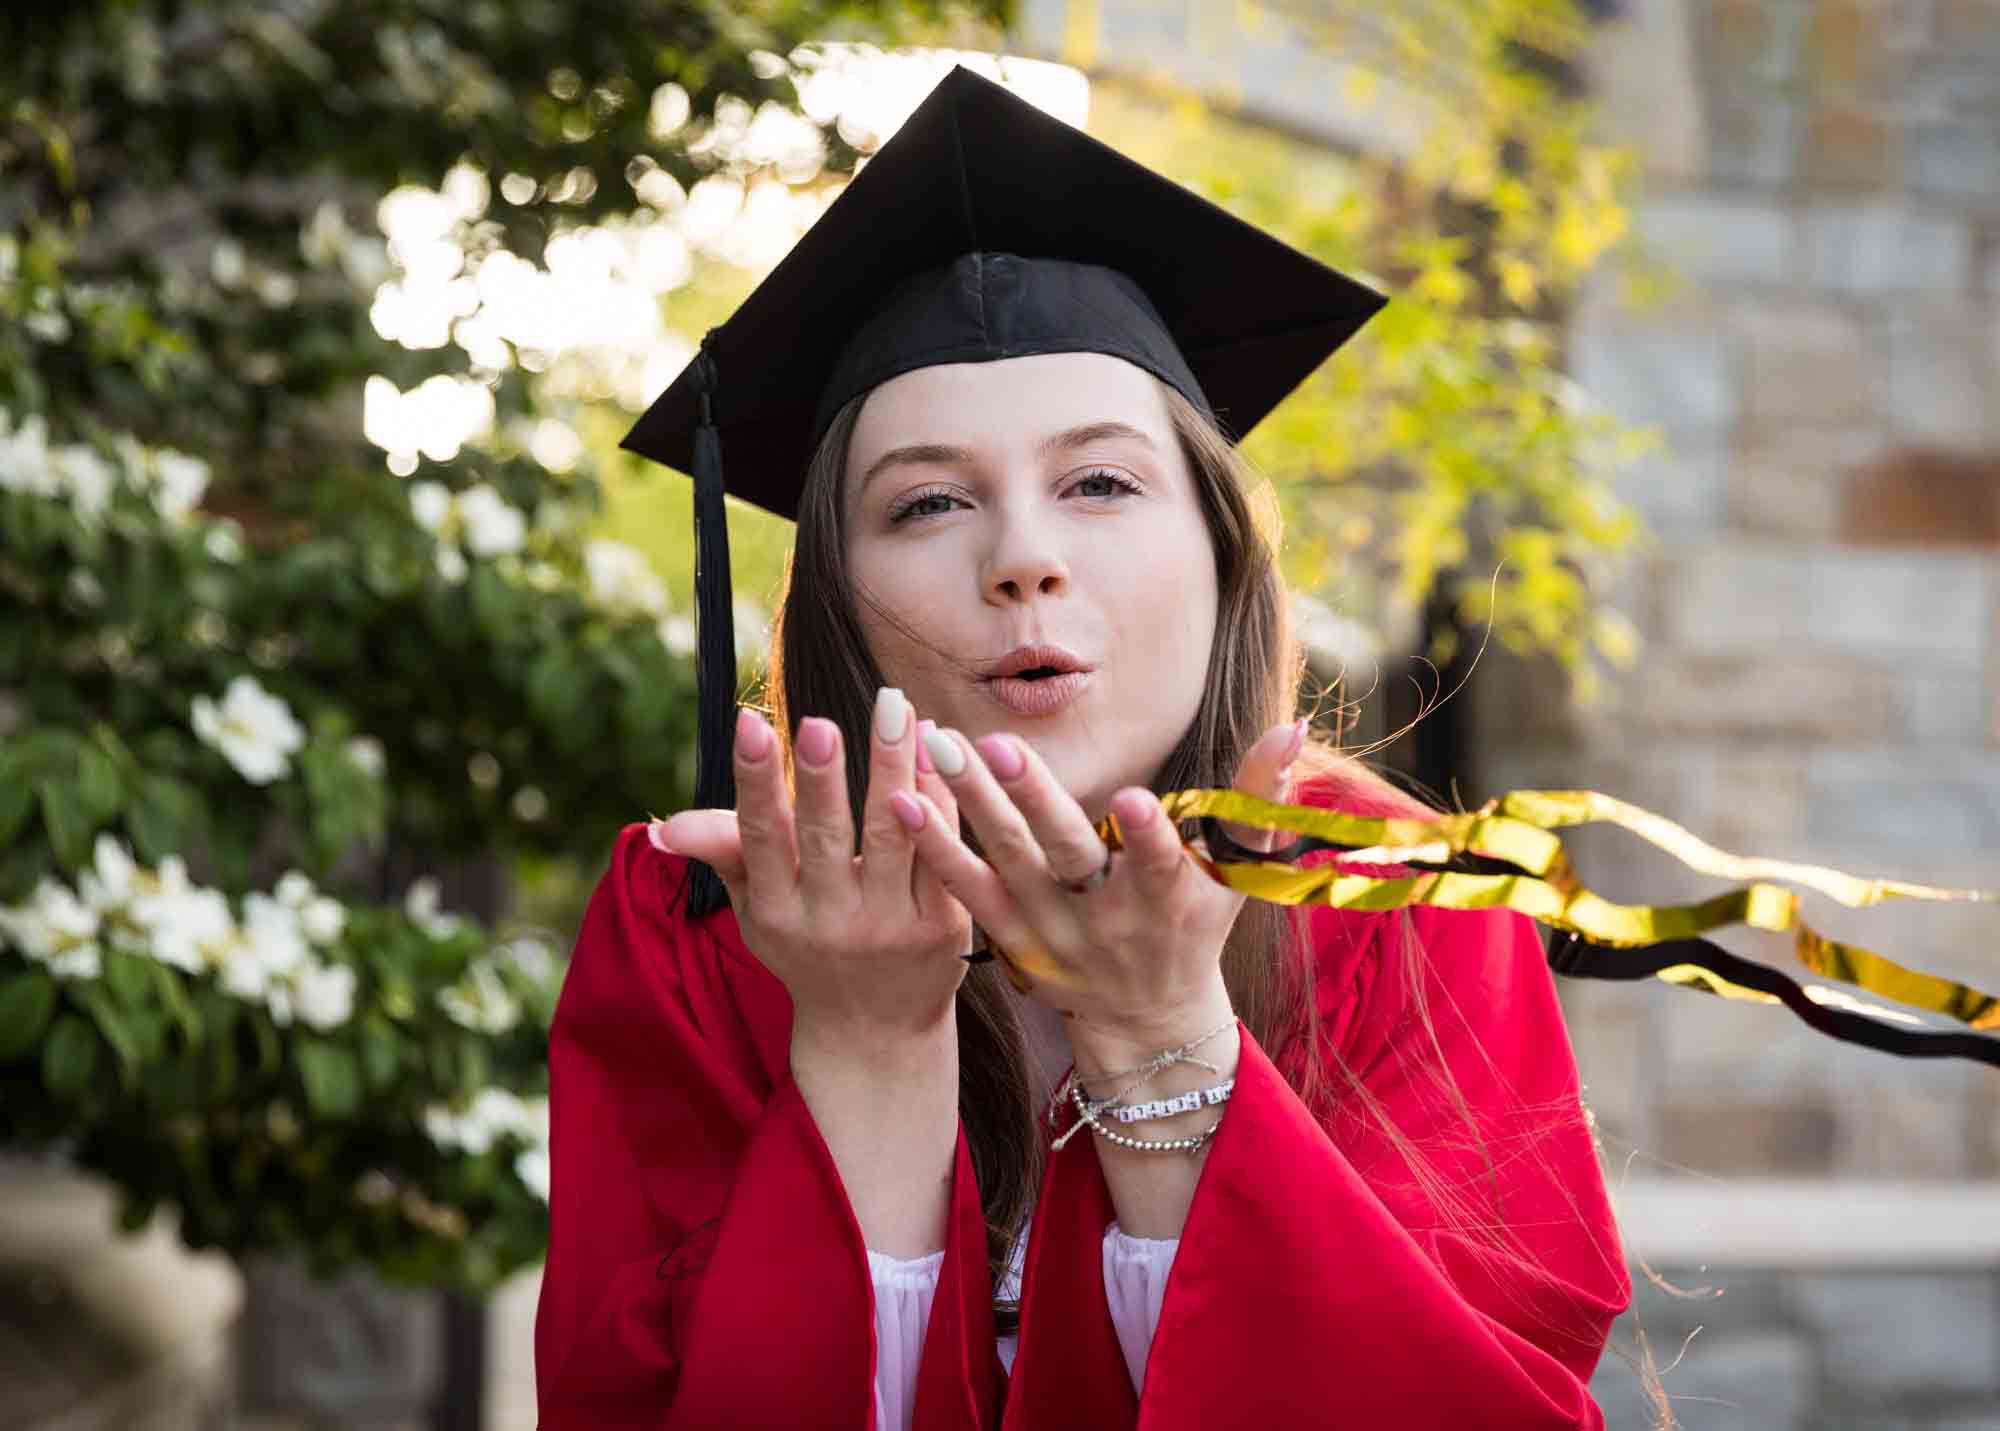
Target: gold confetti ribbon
[{"x": 1515, "y": 830}]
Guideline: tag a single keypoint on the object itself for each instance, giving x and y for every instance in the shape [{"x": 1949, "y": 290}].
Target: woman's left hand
[{"x": 1137, "y": 956}]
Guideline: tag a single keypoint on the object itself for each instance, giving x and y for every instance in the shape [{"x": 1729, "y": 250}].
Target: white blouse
[{"x": 1135, "y": 1279}]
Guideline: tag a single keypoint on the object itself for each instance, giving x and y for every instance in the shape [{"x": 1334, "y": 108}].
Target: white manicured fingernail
[
  {"x": 892, "y": 714},
  {"x": 944, "y": 752}
]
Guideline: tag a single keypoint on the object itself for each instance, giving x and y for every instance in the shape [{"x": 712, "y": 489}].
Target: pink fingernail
[
  {"x": 753, "y": 737},
  {"x": 1002, "y": 756},
  {"x": 924, "y": 727},
  {"x": 656, "y": 832},
  {"x": 1139, "y": 809},
  {"x": 1298, "y": 741},
  {"x": 907, "y": 810},
  {"x": 815, "y": 741}
]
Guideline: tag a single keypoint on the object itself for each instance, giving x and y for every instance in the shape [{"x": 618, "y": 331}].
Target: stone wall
[{"x": 1822, "y": 612}]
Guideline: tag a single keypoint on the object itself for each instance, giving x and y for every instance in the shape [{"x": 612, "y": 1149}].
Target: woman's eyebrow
[{"x": 938, "y": 453}]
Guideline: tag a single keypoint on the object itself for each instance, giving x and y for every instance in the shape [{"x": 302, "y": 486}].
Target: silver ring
[{"x": 1090, "y": 881}]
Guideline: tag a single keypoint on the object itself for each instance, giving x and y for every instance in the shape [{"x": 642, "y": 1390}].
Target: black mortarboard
[{"x": 983, "y": 229}]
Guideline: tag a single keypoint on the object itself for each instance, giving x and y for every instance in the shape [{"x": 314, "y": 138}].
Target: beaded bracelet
[
  {"x": 1191, "y": 1144},
  {"x": 1141, "y": 1075},
  {"x": 1189, "y": 1102}
]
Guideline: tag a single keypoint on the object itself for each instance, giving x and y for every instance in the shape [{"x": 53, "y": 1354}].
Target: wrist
[
  {"x": 1105, "y": 1045},
  {"x": 867, "y": 1049}
]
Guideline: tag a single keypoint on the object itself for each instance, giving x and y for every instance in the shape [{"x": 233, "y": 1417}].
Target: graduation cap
[{"x": 983, "y": 229}]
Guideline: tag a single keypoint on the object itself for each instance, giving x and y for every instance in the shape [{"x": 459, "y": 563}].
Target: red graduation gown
[{"x": 706, "y": 1270}]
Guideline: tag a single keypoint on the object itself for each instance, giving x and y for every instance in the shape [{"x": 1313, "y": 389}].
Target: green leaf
[
  {"x": 119, "y": 1028},
  {"x": 175, "y": 997},
  {"x": 26, "y": 1001},
  {"x": 69, "y": 1058},
  {"x": 332, "y": 1078},
  {"x": 130, "y": 977},
  {"x": 381, "y": 1059},
  {"x": 98, "y": 787},
  {"x": 165, "y": 819},
  {"x": 17, "y": 800},
  {"x": 68, "y": 825}
]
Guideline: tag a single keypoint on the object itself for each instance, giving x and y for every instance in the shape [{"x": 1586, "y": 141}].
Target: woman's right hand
[{"x": 866, "y": 942}]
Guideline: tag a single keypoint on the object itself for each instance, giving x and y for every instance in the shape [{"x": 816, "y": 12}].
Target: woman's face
[{"x": 1039, "y": 500}]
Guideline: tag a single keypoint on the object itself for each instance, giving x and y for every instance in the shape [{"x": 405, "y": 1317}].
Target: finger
[
  {"x": 713, "y": 837},
  {"x": 929, "y": 892},
  {"x": 1265, "y": 772},
  {"x": 825, "y": 826},
  {"x": 1069, "y": 844},
  {"x": 764, "y": 812},
  {"x": 1154, "y": 858},
  {"x": 962, "y": 875},
  {"x": 887, "y": 856},
  {"x": 1005, "y": 836}
]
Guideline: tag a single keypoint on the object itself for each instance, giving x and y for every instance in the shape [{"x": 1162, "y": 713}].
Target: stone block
[
  {"x": 1846, "y": 57},
  {"x": 1746, "y": 1093},
  {"x": 1945, "y": 707},
  {"x": 1676, "y": 373},
  {"x": 1884, "y": 246},
  {"x": 1753, "y": 139},
  {"x": 1893, "y": 604},
  {"x": 1968, "y": 27},
  {"x": 1889, "y": 1335},
  {"x": 1806, "y": 363},
  {"x": 1850, "y": 145},
  {"x": 1957, "y": 158},
  {"x": 1921, "y": 801},
  {"x": 1791, "y": 480},
  {"x": 1943, "y": 384},
  {"x": 1799, "y": 693},
  {"x": 1719, "y": 238},
  {"x": 1682, "y": 492},
  {"x": 1754, "y": 45},
  {"x": 1923, "y": 497}
]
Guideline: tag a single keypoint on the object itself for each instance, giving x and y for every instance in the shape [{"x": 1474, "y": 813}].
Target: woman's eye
[
  {"x": 914, "y": 506},
  {"x": 1117, "y": 480}
]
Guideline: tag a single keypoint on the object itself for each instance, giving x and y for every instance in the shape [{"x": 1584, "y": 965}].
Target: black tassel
[{"x": 715, "y": 638}]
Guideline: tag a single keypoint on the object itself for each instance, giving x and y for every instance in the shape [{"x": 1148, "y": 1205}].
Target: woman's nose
[{"x": 1025, "y": 565}]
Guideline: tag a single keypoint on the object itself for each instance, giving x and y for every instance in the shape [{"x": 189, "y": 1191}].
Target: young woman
[{"x": 813, "y": 1168}]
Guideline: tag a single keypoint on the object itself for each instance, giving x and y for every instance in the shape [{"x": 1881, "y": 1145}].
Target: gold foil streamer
[{"x": 1515, "y": 829}]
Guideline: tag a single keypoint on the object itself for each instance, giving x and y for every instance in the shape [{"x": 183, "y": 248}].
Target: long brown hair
[{"x": 821, "y": 665}]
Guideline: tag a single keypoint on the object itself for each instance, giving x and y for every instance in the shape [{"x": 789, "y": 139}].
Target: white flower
[
  {"x": 293, "y": 889},
  {"x": 480, "y": 1002},
  {"x": 271, "y": 939},
  {"x": 531, "y": 956},
  {"x": 325, "y": 236},
  {"x": 325, "y": 995},
  {"x": 622, "y": 583},
  {"x": 89, "y": 477},
  {"x": 224, "y": 541},
  {"x": 181, "y": 482},
  {"x": 420, "y": 902},
  {"x": 451, "y": 564},
  {"x": 226, "y": 263},
  {"x": 492, "y": 528},
  {"x": 531, "y": 1166},
  {"x": 113, "y": 879},
  {"x": 254, "y": 730},
  {"x": 430, "y": 504},
  {"x": 677, "y": 634},
  {"x": 52, "y": 922},
  {"x": 25, "y": 464},
  {"x": 82, "y": 962},
  {"x": 322, "y": 919},
  {"x": 366, "y": 752},
  {"x": 186, "y": 927}
]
